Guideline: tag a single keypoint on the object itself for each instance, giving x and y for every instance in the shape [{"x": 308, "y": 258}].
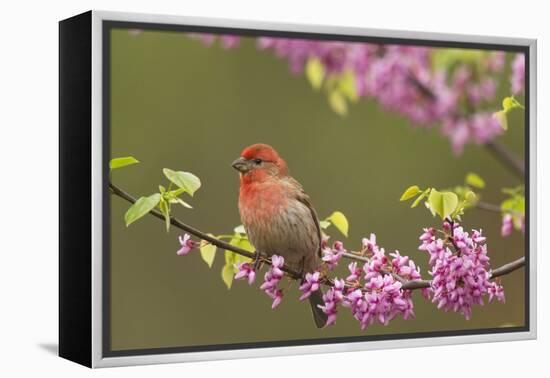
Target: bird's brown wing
[{"x": 302, "y": 196}]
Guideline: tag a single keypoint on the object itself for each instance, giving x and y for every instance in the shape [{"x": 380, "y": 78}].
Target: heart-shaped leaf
[
  {"x": 183, "y": 180},
  {"x": 142, "y": 206}
]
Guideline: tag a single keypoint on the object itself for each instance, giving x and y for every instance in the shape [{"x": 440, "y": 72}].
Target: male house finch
[{"x": 278, "y": 216}]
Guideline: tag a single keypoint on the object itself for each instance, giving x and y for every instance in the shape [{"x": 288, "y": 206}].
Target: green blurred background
[{"x": 178, "y": 104}]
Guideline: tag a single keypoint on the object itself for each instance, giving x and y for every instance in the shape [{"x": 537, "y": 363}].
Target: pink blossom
[
  {"x": 277, "y": 296},
  {"x": 186, "y": 245},
  {"x": 245, "y": 271},
  {"x": 370, "y": 243},
  {"x": 496, "y": 61},
  {"x": 355, "y": 272},
  {"x": 272, "y": 278},
  {"x": 428, "y": 235},
  {"x": 331, "y": 256},
  {"x": 310, "y": 285},
  {"x": 332, "y": 298},
  {"x": 517, "y": 80},
  {"x": 507, "y": 225},
  {"x": 229, "y": 41},
  {"x": 496, "y": 291},
  {"x": 377, "y": 262}
]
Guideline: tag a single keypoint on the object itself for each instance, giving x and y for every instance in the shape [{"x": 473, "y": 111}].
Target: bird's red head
[{"x": 260, "y": 162}]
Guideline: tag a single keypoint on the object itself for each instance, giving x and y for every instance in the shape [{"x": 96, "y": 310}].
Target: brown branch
[
  {"x": 199, "y": 234},
  {"x": 508, "y": 268},
  {"x": 501, "y": 271},
  {"x": 511, "y": 161},
  {"x": 407, "y": 285}
]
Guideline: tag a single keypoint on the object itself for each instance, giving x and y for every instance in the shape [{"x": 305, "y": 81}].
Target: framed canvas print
[{"x": 233, "y": 189}]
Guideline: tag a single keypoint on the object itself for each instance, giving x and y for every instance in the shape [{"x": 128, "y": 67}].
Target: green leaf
[
  {"x": 122, "y": 162},
  {"x": 339, "y": 220},
  {"x": 347, "y": 86},
  {"x": 510, "y": 103},
  {"x": 409, "y": 193},
  {"x": 242, "y": 242},
  {"x": 470, "y": 197},
  {"x": 208, "y": 252},
  {"x": 515, "y": 205},
  {"x": 502, "y": 119},
  {"x": 324, "y": 224},
  {"x": 142, "y": 206},
  {"x": 449, "y": 58},
  {"x": 183, "y": 180},
  {"x": 165, "y": 210},
  {"x": 420, "y": 198},
  {"x": 517, "y": 191},
  {"x": 227, "y": 275},
  {"x": 507, "y": 104},
  {"x": 443, "y": 203},
  {"x": 240, "y": 229},
  {"x": 315, "y": 72},
  {"x": 183, "y": 203},
  {"x": 338, "y": 103},
  {"x": 474, "y": 180}
]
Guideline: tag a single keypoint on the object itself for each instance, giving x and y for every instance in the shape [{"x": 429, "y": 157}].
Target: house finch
[{"x": 278, "y": 216}]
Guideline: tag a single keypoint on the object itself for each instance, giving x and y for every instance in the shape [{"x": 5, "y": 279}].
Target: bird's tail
[{"x": 315, "y": 299}]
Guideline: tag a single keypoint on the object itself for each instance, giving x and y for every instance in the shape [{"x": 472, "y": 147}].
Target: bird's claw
[{"x": 257, "y": 261}]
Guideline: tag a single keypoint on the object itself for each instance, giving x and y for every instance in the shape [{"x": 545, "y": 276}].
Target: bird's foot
[{"x": 258, "y": 260}]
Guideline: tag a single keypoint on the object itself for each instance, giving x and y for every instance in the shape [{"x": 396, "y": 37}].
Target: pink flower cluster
[
  {"x": 271, "y": 280},
  {"x": 332, "y": 298},
  {"x": 460, "y": 268},
  {"x": 403, "y": 79},
  {"x": 381, "y": 300},
  {"x": 372, "y": 292}
]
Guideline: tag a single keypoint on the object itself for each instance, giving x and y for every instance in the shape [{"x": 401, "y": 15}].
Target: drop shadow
[{"x": 51, "y": 348}]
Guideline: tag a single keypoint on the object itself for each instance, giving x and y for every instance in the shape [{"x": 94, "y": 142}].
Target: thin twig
[
  {"x": 496, "y": 209},
  {"x": 408, "y": 285},
  {"x": 488, "y": 207}
]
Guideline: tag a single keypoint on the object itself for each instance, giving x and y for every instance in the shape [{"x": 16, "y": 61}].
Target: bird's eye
[{"x": 257, "y": 161}]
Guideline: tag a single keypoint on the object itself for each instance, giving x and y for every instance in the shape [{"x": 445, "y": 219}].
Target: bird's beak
[{"x": 241, "y": 165}]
